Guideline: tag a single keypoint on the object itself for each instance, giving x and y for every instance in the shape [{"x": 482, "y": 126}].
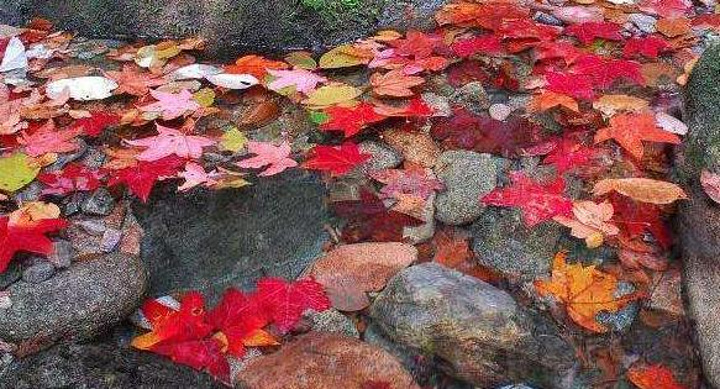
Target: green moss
[{"x": 337, "y": 12}]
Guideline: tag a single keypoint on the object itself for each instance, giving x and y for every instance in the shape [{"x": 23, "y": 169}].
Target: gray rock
[
  {"x": 332, "y": 320},
  {"x": 698, "y": 222},
  {"x": 644, "y": 23},
  {"x": 73, "y": 204},
  {"x": 425, "y": 231},
  {"x": 621, "y": 320},
  {"x": 38, "y": 272},
  {"x": 11, "y": 274},
  {"x": 62, "y": 255},
  {"x": 467, "y": 176},
  {"x": 101, "y": 366},
  {"x": 99, "y": 203},
  {"x": 383, "y": 156},
  {"x": 545, "y": 18},
  {"x": 472, "y": 96},
  {"x": 230, "y": 27},
  {"x": 478, "y": 332},
  {"x": 29, "y": 193},
  {"x": 232, "y": 237},
  {"x": 502, "y": 242},
  {"x": 76, "y": 303}
]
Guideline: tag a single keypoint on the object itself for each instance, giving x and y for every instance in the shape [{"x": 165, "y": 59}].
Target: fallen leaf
[
  {"x": 394, "y": 83},
  {"x": 195, "y": 175},
  {"x": 609, "y": 105},
  {"x": 711, "y": 185},
  {"x": 303, "y": 81},
  {"x": 331, "y": 94},
  {"x": 652, "y": 377},
  {"x": 350, "y": 120},
  {"x": 141, "y": 177},
  {"x": 16, "y": 171},
  {"x": 588, "y": 31},
  {"x": 276, "y": 158},
  {"x": 233, "y": 140},
  {"x": 14, "y": 57},
  {"x": 170, "y": 141},
  {"x": 171, "y": 105},
  {"x": 82, "y": 88},
  {"x": 232, "y": 81},
  {"x": 72, "y": 178},
  {"x": 590, "y": 222},
  {"x": 47, "y": 139},
  {"x": 285, "y": 301},
  {"x": 26, "y": 237},
  {"x": 631, "y": 129},
  {"x": 645, "y": 190},
  {"x": 344, "y": 56},
  {"x": 546, "y": 100},
  {"x": 254, "y": 65},
  {"x": 338, "y": 160}
]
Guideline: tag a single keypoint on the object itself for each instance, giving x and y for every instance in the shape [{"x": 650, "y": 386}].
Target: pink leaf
[
  {"x": 277, "y": 157},
  {"x": 170, "y": 141},
  {"x": 171, "y": 105},
  {"x": 303, "y": 80}
]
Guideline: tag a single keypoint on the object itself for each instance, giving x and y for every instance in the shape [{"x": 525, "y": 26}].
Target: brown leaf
[
  {"x": 394, "y": 83},
  {"x": 645, "y": 190}
]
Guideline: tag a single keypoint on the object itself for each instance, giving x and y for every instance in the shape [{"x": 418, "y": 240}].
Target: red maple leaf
[
  {"x": 568, "y": 155},
  {"x": 74, "y": 177},
  {"x": 238, "y": 316},
  {"x": 603, "y": 72},
  {"x": 488, "y": 16},
  {"x": 368, "y": 219},
  {"x": 351, "y": 120},
  {"x": 665, "y": 8},
  {"x": 141, "y": 178},
  {"x": 557, "y": 50},
  {"x": 28, "y": 237},
  {"x": 649, "y": 47},
  {"x": 48, "y": 139},
  {"x": 488, "y": 44},
  {"x": 416, "y": 44},
  {"x": 337, "y": 160},
  {"x": 636, "y": 218},
  {"x": 464, "y": 72},
  {"x": 587, "y": 32},
  {"x": 630, "y": 130},
  {"x": 537, "y": 202},
  {"x": 96, "y": 123},
  {"x": 285, "y": 302},
  {"x": 198, "y": 354},
  {"x": 577, "y": 86}
]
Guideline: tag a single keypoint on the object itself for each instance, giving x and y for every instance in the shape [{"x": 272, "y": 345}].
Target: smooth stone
[
  {"x": 502, "y": 242},
  {"x": 99, "y": 203},
  {"x": 332, "y": 320},
  {"x": 76, "y": 303},
  {"x": 467, "y": 176},
  {"x": 232, "y": 237},
  {"x": 477, "y": 331},
  {"x": 415, "y": 147},
  {"x": 382, "y": 157},
  {"x": 471, "y": 96},
  {"x": 644, "y": 23},
  {"x": 321, "y": 360},
  {"x": 101, "y": 366},
  {"x": 38, "y": 272},
  {"x": 621, "y": 320}
]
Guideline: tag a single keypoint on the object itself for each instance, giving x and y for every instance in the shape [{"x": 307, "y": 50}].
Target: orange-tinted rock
[{"x": 321, "y": 360}]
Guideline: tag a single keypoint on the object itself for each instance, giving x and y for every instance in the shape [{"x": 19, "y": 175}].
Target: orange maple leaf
[
  {"x": 630, "y": 130},
  {"x": 394, "y": 83},
  {"x": 547, "y": 100},
  {"x": 255, "y": 65},
  {"x": 585, "y": 291},
  {"x": 652, "y": 377}
]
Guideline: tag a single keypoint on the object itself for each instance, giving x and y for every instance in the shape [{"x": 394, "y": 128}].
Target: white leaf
[
  {"x": 670, "y": 123},
  {"x": 233, "y": 81},
  {"x": 82, "y": 88},
  {"x": 14, "y": 57},
  {"x": 194, "y": 71}
]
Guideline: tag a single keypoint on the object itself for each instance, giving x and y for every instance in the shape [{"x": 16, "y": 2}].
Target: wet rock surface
[
  {"x": 232, "y": 237},
  {"x": 230, "y": 27},
  {"x": 76, "y": 303},
  {"x": 100, "y": 366},
  {"x": 699, "y": 218},
  {"x": 321, "y": 360},
  {"x": 467, "y": 176},
  {"x": 479, "y": 333}
]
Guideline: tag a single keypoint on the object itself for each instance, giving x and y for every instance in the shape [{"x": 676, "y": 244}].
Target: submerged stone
[{"x": 211, "y": 240}]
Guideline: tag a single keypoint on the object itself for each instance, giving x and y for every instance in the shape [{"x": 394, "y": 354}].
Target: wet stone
[
  {"x": 644, "y": 23},
  {"x": 332, "y": 320},
  {"x": 382, "y": 157},
  {"x": 472, "y": 96},
  {"x": 62, "y": 254},
  {"x": 38, "y": 272},
  {"x": 99, "y": 203}
]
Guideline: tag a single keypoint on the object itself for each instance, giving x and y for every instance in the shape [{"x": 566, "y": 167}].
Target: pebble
[
  {"x": 62, "y": 254},
  {"x": 110, "y": 240},
  {"x": 38, "y": 272},
  {"x": 383, "y": 156},
  {"x": 622, "y": 319},
  {"x": 93, "y": 227},
  {"x": 500, "y": 111},
  {"x": 544, "y": 18},
  {"x": 99, "y": 203},
  {"x": 644, "y": 23},
  {"x": 473, "y": 97},
  {"x": 439, "y": 103},
  {"x": 332, "y": 320}
]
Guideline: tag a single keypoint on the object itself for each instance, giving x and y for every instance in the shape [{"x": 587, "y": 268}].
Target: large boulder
[
  {"x": 76, "y": 303},
  {"x": 230, "y": 26},
  {"x": 211, "y": 240},
  {"x": 321, "y": 360},
  {"x": 477, "y": 332},
  {"x": 699, "y": 218},
  {"x": 100, "y": 366}
]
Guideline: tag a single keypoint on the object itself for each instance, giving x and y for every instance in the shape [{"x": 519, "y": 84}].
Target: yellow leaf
[
  {"x": 145, "y": 341},
  {"x": 33, "y": 211},
  {"x": 344, "y": 56},
  {"x": 233, "y": 140},
  {"x": 260, "y": 338},
  {"x": 331, "y": 94},
  {"x": 16, "y": 171},
  {"x": 609, "y": 105},
  {"x": 205, "y": 97},
  {"x": 645, "y": 190}
]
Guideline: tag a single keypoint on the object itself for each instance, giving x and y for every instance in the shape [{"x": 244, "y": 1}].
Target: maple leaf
[
  {"x": 570, "y": 84},
  {"x": 96, "y": 123},
  {"x": 369, "y": 219},
  {"x": 590, "y": 222},
  {"x": 568, "y": 154},
  {"x": 74, "y": 177},
  {"x": 645, "y": 190},
  {"x": 141, "y": 178},
  {"x": 710, "y": 183},
  {"x": 585, "y": 291},
  {"x": 547, "y": 100},
  {"x": 241, "y": 319},
  {"x": 665, "y": 8},
  {"x": 285, "y": 301},
  {"x": 27, "y": 237},
  {"x": 631, "y": 129},
  {"x": 603, "y": 72},
  {"x": 350, "y": 120},
  {"x": 133, "y": 81},
  {"x": 526, "y": 33},
  {"x": 416, "y": 44},
  {"x": 195, "y": 175},
  {"x": 635, "y": 218},
  {"x": 537, "y": 202},
  {"x": 415, "y": 108},
  {"x": 652, "y": 377},
  {"x": 394, "y": 83},
  {"x": 171, "y": 105},
  {"x": 587, "y": 32},
  {"x": 488, "y": 44},
  {"x": 334, "y": 159},
  {"x": 302, "y": 80},
  {"x": 255, "y": 65},
  {"x": 649, "y": 47},
  {"x": 170, "y": 141},
  {"x": 46, "y": 139},
  {"x": 557, "y": 50},
  {"x": 198, "y": 354},
  {"x": 489, "y": 16},
  {"x": 413, "y": 180},
  {"x": 276, "y": 158}
]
